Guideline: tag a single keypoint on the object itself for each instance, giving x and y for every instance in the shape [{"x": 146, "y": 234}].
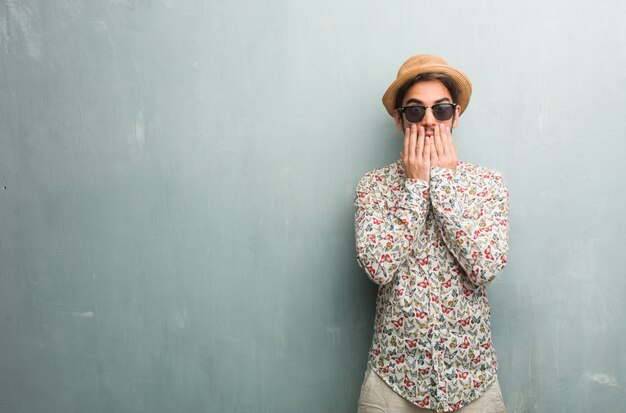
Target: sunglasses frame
[{"x": 404, "y": 108}]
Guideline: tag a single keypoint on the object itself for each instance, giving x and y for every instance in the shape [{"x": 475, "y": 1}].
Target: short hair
[{"x": 447, "y": 81}]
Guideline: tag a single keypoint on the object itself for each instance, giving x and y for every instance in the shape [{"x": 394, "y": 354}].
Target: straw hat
[{"x": 427, "y": 63}]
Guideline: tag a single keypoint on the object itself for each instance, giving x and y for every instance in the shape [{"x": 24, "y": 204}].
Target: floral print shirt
[{"x": 433, "y": 247}]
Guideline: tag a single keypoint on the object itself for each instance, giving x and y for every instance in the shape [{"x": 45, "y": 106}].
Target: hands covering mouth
[{"x": 424, "y": 149}]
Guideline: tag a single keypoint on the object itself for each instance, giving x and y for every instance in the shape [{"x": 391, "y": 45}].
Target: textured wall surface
[{"x": 176, "y": 188}]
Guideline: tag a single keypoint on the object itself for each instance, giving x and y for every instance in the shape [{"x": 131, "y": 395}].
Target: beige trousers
[{"x": 378, "y": 397}]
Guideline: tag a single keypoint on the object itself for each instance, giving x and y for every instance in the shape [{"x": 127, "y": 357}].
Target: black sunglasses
[{"x": 441, "y": 111}]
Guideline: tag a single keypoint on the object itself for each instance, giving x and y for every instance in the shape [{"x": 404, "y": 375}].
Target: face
[{"x": 427, "y": 93}]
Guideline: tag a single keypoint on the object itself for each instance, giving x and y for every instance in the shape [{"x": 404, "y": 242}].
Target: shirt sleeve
[
  {"x": 474, "y": 227},
  {"x": 386, "y": 227}
]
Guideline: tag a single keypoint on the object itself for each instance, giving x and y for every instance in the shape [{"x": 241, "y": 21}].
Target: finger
[
  {"x": 450, "y": 141},
  {"x": 426, "y": 155},
  {"x": 420, "y": 142},
  {"x": 438, "y": 144},
  {"x": 434, "y": 158},
  {"x": 445, "y": 132},
  {"x": 407, "y": 133},
  {"x": 446, "y": 137},
  {"x": 445, "y": 142},
  {"x": 449, "y": 144},
  {"x": 412, "y": 141}
]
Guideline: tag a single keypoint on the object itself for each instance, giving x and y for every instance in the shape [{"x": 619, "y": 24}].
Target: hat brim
[{"x": 462, "y": 82}]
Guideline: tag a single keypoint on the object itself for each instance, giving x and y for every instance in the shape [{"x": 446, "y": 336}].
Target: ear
[
  {"x": 397, "y": 117},
  {"x": 457, "y": 115}
]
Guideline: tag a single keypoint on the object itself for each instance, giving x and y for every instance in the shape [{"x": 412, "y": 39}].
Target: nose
[{"x": 429, "y": 119}]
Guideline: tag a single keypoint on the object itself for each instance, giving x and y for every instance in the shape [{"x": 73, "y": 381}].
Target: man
[{"x": 432, "y": 231}]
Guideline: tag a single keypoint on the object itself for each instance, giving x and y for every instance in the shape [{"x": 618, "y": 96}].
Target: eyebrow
[{"x": 419, "y": 102}]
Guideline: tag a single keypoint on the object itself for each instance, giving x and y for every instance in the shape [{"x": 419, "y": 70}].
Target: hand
[
  {"x": 416, "y": 156},
  {"x": 442, "y": 150}
]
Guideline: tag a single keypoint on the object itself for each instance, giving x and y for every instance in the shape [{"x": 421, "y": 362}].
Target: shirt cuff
[{"x": 416, "y": 192}]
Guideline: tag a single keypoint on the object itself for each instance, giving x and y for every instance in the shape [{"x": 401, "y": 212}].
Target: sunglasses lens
[
  {"x": 414, "y": 114},
  {"x": 443, "y": 111}
]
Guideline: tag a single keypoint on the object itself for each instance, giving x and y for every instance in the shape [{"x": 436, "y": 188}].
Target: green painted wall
[{"x": 176, "y": 187}]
